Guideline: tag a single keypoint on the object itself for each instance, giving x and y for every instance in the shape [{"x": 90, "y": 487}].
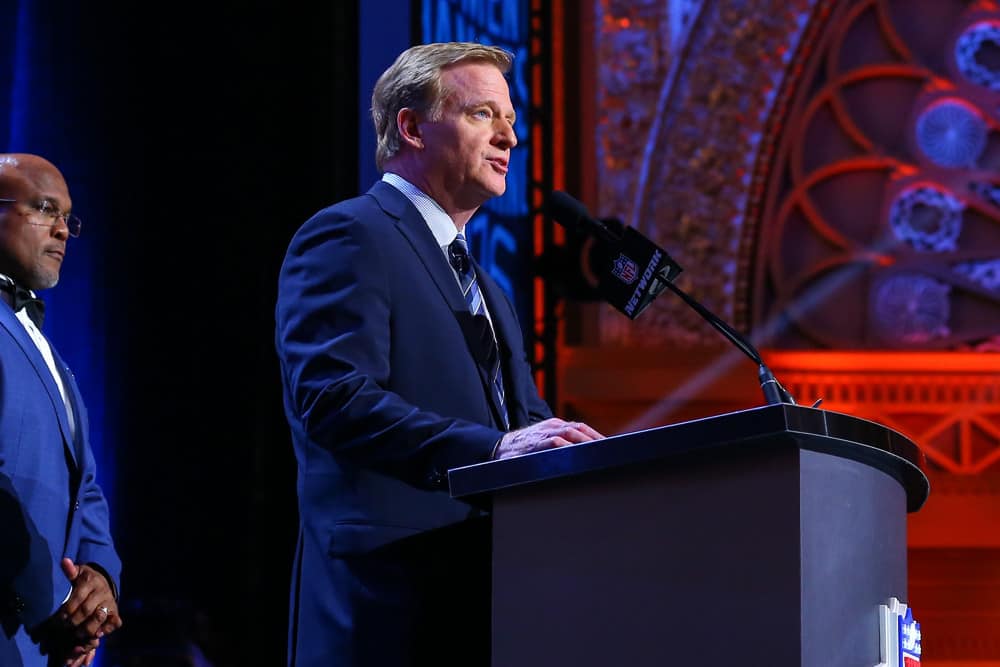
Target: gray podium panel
[{"x": 757, "y": 548}]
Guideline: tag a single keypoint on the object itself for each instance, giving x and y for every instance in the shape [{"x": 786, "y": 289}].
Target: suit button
[
  {"x": 436, "y": 478},
  {"x": 17, "y": 604},
  {"x": 76, "y": 505}
]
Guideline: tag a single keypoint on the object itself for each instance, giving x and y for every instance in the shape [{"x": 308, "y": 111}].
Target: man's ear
[{"x": 408, "y": 124}]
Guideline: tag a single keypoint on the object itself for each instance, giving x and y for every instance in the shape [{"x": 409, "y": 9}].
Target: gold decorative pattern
[{"x": 678, "y": 144}]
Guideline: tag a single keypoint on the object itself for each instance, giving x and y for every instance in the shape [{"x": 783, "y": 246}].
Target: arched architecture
[{"x": 828, "y": 173}]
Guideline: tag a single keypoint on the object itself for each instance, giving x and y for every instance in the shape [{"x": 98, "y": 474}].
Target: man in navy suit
[
  {"x": 400, "y": 359},
  {"x": 58, "y": 567}
]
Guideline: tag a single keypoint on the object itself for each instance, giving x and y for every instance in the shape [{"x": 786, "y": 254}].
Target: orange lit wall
[{"x": 785, "y": 153}]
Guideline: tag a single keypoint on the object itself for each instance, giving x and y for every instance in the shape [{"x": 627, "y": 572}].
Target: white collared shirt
[{"x": 440, "y": 223}]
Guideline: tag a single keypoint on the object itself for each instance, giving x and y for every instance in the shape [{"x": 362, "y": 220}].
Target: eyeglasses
[{"x": 48, "y": 209}]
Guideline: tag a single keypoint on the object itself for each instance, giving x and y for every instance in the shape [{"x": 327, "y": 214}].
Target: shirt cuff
[{"x": 493, "y": 453}]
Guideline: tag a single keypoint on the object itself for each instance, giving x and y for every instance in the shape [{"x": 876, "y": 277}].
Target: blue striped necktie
[{"x": 458, "y": 255}]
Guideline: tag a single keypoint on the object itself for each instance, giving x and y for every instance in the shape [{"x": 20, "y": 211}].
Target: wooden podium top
[{"x": 807, "y": 428}]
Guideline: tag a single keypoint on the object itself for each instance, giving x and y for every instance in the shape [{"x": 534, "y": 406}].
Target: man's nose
[
  {"x": 506, "y": 137},
  {"x": 60, "y": 228}
]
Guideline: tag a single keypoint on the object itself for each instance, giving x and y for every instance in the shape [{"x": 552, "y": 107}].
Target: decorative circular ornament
[
  {"x": 927, "y": 218},
  {"x": 983, "y": 272},
  {"x": 951, "y": 133},
  {"x": 975, "y": 54},
  {"x": 912, "y": 309},
  {"x": 987, "y": 191}
]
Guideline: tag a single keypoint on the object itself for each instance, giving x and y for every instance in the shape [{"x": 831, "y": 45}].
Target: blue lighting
[
  {"x": 31, "y": 76},
  {"x": 500, "y": 235}
]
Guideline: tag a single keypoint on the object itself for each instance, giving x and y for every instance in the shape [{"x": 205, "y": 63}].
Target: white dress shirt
[{"x": 440, "y": 223}]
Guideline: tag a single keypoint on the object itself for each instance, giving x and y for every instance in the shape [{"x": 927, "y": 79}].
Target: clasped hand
[{"x": 90, "y": 613}]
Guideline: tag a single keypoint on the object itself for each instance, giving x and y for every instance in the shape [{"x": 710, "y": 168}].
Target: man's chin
[
  {"x": 486, "y": 189},
  {"x": 47, "y": 281},
  {"x": 497, "y": 189}
]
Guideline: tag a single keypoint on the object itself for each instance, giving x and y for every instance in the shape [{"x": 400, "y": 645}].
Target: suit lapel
[
  {"x": 10, "y": 323},
  {"x": 75, "y": 404},
  {"x": 414, "y": 228}
]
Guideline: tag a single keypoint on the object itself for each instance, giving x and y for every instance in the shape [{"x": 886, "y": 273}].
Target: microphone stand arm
[{"x": 774, "y": 393}]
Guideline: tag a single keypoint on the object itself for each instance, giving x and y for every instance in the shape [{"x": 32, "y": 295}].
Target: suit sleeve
[
  {"x": 538, "y": 409},
  {"x": 96, "y": 546},
  {"x": 333, "y": 336}
]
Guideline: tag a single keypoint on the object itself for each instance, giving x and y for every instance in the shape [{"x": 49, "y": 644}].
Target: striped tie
[{"x": 458, "y": 255}]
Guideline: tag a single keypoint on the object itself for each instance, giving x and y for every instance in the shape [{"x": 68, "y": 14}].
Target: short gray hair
[{"x": 414, "y": 81}]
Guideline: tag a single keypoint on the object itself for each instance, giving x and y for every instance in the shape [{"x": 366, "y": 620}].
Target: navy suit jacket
[
  {"x": 384, "y": 390},
  {"x": 50, "y": 503}
]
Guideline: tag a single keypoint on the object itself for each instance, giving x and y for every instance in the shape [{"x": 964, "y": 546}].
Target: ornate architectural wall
[
  {"x": 680, "y": 131},
  {"x": 828, "y": 173},
  {"x": 883, "y": 195}
]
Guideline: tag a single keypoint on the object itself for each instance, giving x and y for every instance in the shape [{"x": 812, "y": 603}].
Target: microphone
[
  {"x": 628, "y": 250},
  {"x": 573, "y": 215},
  {"x": 637, "y": 269}
]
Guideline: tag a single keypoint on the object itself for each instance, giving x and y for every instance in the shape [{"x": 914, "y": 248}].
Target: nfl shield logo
[
  {"x": 899, "y": 636},
  {"x": 625, "y": 269},
  {"x": 909, "y": 640}
]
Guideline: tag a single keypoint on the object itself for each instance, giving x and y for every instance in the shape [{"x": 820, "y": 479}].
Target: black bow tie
[{"x": 22, "y": 298}]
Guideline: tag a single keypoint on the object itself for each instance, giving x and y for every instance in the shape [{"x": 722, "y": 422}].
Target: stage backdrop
[{"x": 827, "y": 173}]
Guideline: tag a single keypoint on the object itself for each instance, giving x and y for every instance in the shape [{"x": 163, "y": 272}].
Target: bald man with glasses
[{"x": 59, "y": 571}]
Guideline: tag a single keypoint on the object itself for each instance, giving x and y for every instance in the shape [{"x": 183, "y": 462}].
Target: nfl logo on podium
[{"x": 899, "y": 636}]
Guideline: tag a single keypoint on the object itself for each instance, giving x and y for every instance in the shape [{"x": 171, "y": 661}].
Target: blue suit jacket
[
  {"x": 383, "y": 393},
  {"x": 50, "y": 503}
]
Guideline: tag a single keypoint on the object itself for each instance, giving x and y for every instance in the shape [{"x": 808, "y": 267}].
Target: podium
[{"x": 763, "y": 537}]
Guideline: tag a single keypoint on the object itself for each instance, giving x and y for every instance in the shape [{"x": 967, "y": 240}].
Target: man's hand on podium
[{"x": 546, "y": 434}]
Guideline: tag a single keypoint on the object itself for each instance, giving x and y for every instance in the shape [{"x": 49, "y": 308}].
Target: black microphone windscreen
[
  {"x": 574, "y": 216},
  {"x": 566, "y": 210},
  {"x": 635, "y": 271}
]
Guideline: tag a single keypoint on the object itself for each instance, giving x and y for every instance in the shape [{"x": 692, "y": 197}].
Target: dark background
[{"x": 210, "y": 133}]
